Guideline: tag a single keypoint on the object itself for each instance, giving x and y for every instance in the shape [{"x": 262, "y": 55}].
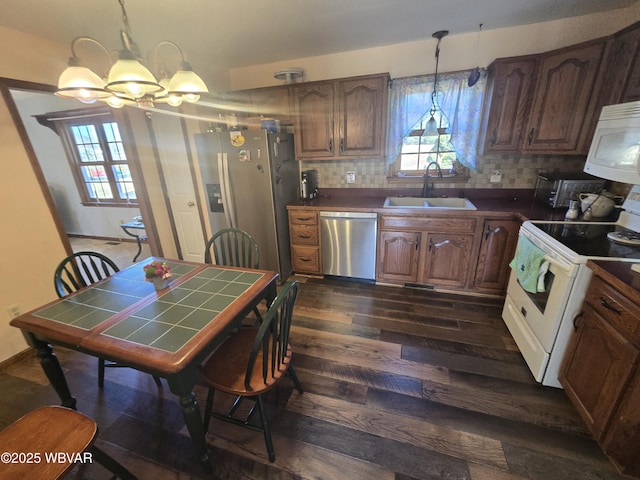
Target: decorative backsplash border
[{"x": 518, "y": 171}]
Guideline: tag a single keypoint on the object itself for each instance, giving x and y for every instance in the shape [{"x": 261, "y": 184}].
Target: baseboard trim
[
  {"x": 106, "y": 239},
  {"x": 16, "y": 358}
]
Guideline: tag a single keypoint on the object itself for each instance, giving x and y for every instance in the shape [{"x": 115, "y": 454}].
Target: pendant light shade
[
  {"x": 431, "y": 128},
  {"x": 130, "y": 77},
  {"x": 82, "y": 84},
  {"x": 187, "y": 83}
]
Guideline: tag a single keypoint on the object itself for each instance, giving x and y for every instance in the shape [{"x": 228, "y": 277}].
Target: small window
[{"x": 96, "y": 153}]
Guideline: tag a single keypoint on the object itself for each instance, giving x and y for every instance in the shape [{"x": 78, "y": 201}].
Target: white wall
[
  {"x": 457, "y": 52},
  {"x": 30, "y": 246}
]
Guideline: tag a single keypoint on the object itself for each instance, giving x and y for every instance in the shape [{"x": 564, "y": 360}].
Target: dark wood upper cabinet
[
  {"x": 341, "y": 118},
  {"x": 508, "y": 100},
  {"x": 550, "y": 103},
  {"x": 562, "y": 107}
]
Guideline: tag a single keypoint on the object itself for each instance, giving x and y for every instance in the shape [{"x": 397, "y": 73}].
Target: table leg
[
  {"x": 135, "y": 259},
  {"x": 137, "y": 237},
  {"x": 193, "y": 420},
  {"x": 53, "y": 371}
]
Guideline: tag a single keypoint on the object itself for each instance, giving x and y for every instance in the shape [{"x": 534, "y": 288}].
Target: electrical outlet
[
  {"x": 496, "y": 176},
  {"x": 351, "y": 177},
  {"x": 14, "y": 311}
]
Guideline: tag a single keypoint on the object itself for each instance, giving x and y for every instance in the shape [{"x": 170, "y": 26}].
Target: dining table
[{"x": 167, "y": 333}]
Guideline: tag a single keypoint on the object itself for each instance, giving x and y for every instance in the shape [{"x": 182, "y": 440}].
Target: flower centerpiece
[{"x": 158, "y": 273}]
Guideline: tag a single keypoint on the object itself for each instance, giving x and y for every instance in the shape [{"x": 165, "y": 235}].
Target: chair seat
[
  {"x": 225, "y": 370},
  {"x": 48, "y": 429}
]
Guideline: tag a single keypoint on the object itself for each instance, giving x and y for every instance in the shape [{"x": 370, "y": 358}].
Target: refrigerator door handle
[
  {"x": 224, "y": 193},
  {"x": 227, "y": 186}
]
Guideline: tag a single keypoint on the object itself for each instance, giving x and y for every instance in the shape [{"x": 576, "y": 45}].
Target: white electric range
[{"x": 542, "y": 323}]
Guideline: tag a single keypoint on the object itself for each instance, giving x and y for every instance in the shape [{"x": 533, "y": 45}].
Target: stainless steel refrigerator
[{"x": 249, "y": 177}]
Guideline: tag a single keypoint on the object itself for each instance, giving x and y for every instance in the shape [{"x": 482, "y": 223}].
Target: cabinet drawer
[
  {"x": 430, "y": 224},
  {"x": 305, "y": 259},
  {"x": 303, "y": 218},
  {"x": 615, "y": 308},
  {"x": 304, "y": 235}
]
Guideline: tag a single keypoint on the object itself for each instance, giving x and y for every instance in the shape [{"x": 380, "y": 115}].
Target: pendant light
[{"x": 433, "y": 127}]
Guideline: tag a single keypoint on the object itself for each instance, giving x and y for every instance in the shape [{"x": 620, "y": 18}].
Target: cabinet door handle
[
  {"x": 531, "y": 135},
  {"x": 303, "y": 259},
  {"x": 430, "y": 244},
  {"x": 331, "y": 145},
  {"x": 608, "y": 306},
  {"x": 304, "y": 219},
  {"x": 303, "y": 236},
  {"x": 494, "y": 137},
  {"x": 341, "y": 145},
  {"x": 575, "y": 321}
]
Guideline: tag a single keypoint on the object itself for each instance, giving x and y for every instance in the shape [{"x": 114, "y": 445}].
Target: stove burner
[{"x": 625, "y": 237}]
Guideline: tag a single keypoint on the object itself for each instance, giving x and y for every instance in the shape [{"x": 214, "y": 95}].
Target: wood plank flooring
[{"x": 400, "y": 384}]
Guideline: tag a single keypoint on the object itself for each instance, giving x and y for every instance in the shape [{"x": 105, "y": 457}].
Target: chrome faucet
[{"x": 425, "y": 185}]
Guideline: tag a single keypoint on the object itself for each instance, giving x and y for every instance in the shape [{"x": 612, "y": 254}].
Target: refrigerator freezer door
[{"x": 261, "y": 185}]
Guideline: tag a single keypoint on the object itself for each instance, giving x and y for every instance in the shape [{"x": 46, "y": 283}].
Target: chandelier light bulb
[
  {"x": 174, "y": 100},
  {"x": 134, "y": 89},
  {"x": 191, "y": 97}
]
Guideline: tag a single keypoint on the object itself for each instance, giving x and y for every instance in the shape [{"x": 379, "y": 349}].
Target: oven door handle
[{"x": 564, "y": 266}]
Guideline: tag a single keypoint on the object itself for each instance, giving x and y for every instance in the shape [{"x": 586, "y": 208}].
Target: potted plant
[{"x": 159, "y": 273}]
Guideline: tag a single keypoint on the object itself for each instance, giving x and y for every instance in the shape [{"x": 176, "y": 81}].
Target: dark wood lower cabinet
[
  {"x": 597, "y": 369},
  {"x": 446, "y": 262},
  {"x": 600, "y": 372}
]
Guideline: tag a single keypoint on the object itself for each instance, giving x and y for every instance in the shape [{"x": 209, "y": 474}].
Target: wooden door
[
  {"x": 398, "y": 256},
  {"x": 596, "y": 368},
  {"x": 446, "y": 259},
  {"x": 563, "y": 102},
  {"x": 314, "y": 121},
  {"x": 361, "y": 110},
  {"x": 499, "y": 239},
  {"x": 510, "y": 92}
]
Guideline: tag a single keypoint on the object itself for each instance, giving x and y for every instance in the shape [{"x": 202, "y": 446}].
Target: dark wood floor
[{"x": 400, "y": 384}]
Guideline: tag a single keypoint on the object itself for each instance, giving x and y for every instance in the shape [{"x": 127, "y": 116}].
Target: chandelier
[{"x": 129, "y": 81}]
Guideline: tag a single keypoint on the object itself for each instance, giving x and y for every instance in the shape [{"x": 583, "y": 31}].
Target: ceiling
[{"x": 237, "y": 34}]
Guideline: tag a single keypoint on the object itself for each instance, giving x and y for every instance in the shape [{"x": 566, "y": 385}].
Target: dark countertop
[
  {"x": 507, "y": 202},
  {"x": 620, "y": 275}
]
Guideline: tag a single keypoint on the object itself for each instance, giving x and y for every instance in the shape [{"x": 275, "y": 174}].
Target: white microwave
[{"x": 615, "y": 149}]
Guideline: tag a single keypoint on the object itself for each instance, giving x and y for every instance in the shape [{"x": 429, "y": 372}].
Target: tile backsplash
[{"x": 518, "y": 171}]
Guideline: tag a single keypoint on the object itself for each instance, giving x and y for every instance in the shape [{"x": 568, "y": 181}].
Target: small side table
[{"x": 135, "y": 225}]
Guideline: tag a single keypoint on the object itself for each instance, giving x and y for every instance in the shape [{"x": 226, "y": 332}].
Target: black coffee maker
[{"x": 309, "y": 184}]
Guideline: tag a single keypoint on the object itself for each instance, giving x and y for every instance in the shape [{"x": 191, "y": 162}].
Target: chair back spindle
[
  {"x": 272, "y": 338},
  {"x": 233, "y": 247},
  {"x": 80, "y": 270}
]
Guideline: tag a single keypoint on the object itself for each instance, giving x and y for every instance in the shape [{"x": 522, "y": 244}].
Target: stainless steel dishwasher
[{"x": 349, "y": 244}]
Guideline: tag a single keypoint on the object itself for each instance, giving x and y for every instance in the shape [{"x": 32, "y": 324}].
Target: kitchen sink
[
  {"x": 405, "y": 202},
  {"x": 429, "y": 203}
]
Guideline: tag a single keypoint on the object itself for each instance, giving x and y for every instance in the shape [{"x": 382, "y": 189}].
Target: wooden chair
[
  {"x": 251, "y": 362},
  {"x": 49, "y": 431},
  {"x": 234, "y": 248},
  {"x": 82, "y": 269}
]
